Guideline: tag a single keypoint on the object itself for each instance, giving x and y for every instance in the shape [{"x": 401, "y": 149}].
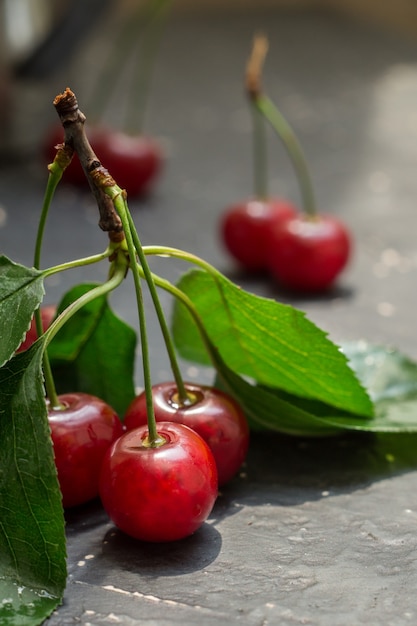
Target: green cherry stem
[
  {"x": 183, "y": 395},
  {"x": 89, "y": 260},
  {"x": 219, "y": 365},
  {"x": 290, "y": 141},
  {"x": 185, "y": 256},
  {"x": 123, "y": 211},
  {"x": 260, "y": 166},
  {"x": 144, "y": 17},
  {"x": 144, "y": 65},
  {"x": 49, "y": 380},
  {"x": 118, "y": 196},
  {"x": 215, "y": 358},
  {"x": 56, "y": 169},
  {"x": 115, "y": 60},
  {"x": 259, "y": 148},
  {"x": 117, "y": 274},
  {"x": 266, "y": 109}
]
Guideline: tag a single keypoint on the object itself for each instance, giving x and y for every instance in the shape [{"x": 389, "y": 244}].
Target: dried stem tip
[
  {"x": 75, "y": 138},
  {"x": 255, "y": 65},
  {"x": 66, "y": 105}
]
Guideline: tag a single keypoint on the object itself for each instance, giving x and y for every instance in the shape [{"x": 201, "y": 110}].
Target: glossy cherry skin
[
  {"x": 134, "y": 161},
  {"x": 48, "y": 313},
  {"x": 307, "y": 254},
  {"x": 81, "y": 434},
  {"x": 159, "y": 494},
  {"x": 244, "y": 227},
  {"x": 213, "y": 414}
]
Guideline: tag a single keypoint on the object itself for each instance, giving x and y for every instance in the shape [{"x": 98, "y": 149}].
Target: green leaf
[
  {"x": 265, "y": 410},
  {"x": 391, "y": 380},
  {"x": 272, "y": 343},
  {"x": 21, "y": 292},
  {"x": 32, "y": 537},
  {"x": 389, "y": 376},
  {"x": 94, "y": 352},
  {"x": 384, "y": 371}
]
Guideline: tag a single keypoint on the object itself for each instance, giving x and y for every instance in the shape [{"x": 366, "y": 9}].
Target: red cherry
[
  {"x": 162, "y": 493},
  {"x": 214, "y": 415},
  {"x": 47, "y": 313},
  {"x": 81, "y": 433},
  {"x": 308, "y": 253},
  {"x": 133, "y": 161},
  {"x": 244, "y": 227}
]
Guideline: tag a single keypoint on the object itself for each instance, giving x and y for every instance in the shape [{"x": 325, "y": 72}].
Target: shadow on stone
[
  {"x": 161, "y": 559},
  {"x": 345, "y": 462}
]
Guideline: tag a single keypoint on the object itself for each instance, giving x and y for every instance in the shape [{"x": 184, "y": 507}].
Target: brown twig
[
  {"x": 98, "y": 177},
  {"x": 255, "y": 65}
]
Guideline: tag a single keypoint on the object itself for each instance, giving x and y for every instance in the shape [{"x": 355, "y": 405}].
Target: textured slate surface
[{"x": 312, "y": 532}]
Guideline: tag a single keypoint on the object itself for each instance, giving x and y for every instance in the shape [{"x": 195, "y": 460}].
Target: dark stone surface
[{"x": 316, "y": 532}]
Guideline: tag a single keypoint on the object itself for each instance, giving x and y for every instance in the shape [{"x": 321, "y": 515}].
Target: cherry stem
[
  {"x": 136, "y": 23},
  {"x": 56, "y": 169},
  {"x": 216, "y": 359},
  {"x": 89, "y": 260},
  {"x": 117, "y": 274},
  {"x": 123, "y": 43},
  {"x": 185, "y": 256},
  {"x": 265, "y": 107},
  {"x": 260, "y": 166},
  {"x": 182, "y": 391},
  {"x": 180, "y": 295},
  {"x": 108, "y": 194},
  {"x": 253, "y": 72},
  {"x": 290, "y": 141},
  {"x": 145, "y": 62},
  {"x": 119, "y": 199}
]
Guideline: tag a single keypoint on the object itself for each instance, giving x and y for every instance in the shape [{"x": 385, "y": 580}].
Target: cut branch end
[{"x": 255, "y": 65}]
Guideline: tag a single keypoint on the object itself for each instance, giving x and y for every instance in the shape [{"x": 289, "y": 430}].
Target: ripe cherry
[
  {"x": 161, "y": 493},
  {"x": 213, "y": 414},
  {"x": 308, "y": 253},
  {"x": 82, "y": 430},
  {"x": 134, "y": 161},
  {"x": 244, "y": 227},
  {"x": 48, "y": 313}
]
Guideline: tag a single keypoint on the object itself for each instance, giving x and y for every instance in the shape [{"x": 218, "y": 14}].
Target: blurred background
[
  {"x": 44, "y": 43},
  {"x": 344, "y": 74}
]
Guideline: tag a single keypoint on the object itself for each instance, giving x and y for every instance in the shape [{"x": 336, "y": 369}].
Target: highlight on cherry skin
[
  {"x": 212, "y": 413},
  {"x": 308, "y": 253},
  {"x": 135, "y": 161},
  {"x": 48, "y": 313},
  {"x": 82, "y": 431},
  {"x": 162, "y": 493},
  {"x": 244, "y": 227}
]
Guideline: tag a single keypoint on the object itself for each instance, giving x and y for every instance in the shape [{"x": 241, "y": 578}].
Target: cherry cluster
[
  {"x": 158, "y": 467},
  {"x": 302, "y": 253},
  {"x": 156, "y": 493},
  {"x": 303, "y": 250}
]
